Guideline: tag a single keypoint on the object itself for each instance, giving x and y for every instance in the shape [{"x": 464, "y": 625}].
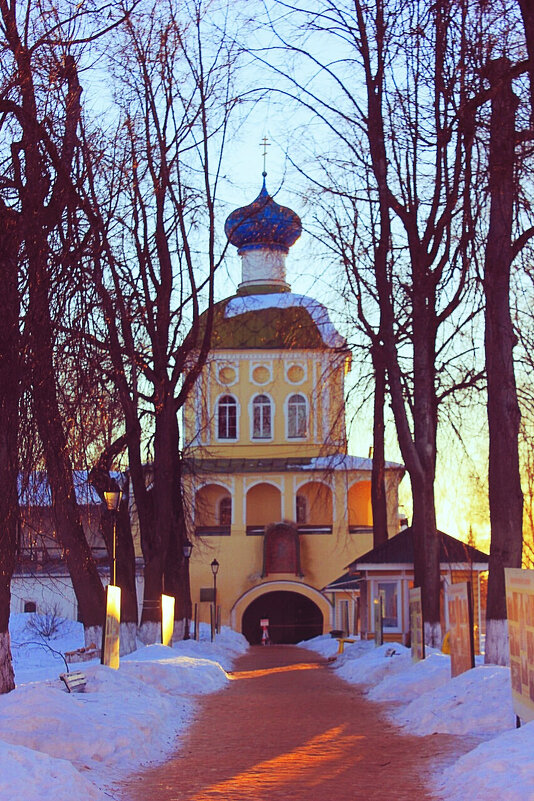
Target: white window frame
[
  {"x": 301, "y": 522},
  {"x": 307, "y": 413},
  {"x": 219, "y": 513},
  {"x": 217, "y": 402},
  {"x": 376, "y": 596},
  {"x": 251, "y": 417}
]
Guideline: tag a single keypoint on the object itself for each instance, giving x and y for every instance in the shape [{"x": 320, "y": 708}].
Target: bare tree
[
  {"x": 505, "y": 495},
  {"x": 40, "y": 105},
  {"x": 10, "y": 388},
  {"x": 157, "y": 254},
  {"x": 409, "y": 263}
]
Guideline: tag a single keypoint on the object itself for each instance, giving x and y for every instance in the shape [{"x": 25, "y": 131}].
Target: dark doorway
[{"x": 292, "y": 618}]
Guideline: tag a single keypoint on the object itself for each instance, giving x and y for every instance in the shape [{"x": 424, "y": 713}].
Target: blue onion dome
[{"x": 263, "y": 224}]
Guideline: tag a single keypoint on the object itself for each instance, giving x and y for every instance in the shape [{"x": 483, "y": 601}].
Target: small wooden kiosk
[{"x": 386, "y": 572}]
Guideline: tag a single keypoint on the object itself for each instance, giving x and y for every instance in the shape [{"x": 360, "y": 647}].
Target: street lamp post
[
  {"x": 113, "y": 501},
  {"x": 187, "y": 548},
  {"x": 214, "y": 570}
]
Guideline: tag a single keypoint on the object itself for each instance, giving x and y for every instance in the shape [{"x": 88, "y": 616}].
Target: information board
[
  {"x": 379, "y": 621},
  {"x": 461, "y": 627},
  {"x": 520, "y": 609},
  {"x": 167, "y": 619},
  {"x": 417, "y": 626},
  {"x": 111, "y": 633}
]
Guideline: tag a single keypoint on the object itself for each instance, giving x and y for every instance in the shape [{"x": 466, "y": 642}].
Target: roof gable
[{"x": 399, "y": 550}]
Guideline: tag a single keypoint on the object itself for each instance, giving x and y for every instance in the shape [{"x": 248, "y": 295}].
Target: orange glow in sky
[{"x": 309, "y": 765}]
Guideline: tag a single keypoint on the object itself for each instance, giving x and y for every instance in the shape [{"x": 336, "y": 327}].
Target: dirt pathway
[{"x": 288, "y": 729}]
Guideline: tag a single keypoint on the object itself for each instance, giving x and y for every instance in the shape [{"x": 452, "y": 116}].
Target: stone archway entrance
[{"x": 292, "y": 617}]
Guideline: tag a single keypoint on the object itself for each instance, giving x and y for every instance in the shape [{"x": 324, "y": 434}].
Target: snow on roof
[
  {"x": 285, "y": 300},
  {"x": 344, "y": 461},
  {"x": 34, "y": 490}
]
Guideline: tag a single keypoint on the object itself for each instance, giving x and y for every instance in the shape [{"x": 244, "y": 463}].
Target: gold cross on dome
[{"x": 265, "y": 143}]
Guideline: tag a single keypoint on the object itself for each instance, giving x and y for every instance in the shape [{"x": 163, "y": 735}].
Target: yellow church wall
[
  {"x": 263, "y": 504},
  {"x": 323, "y": 556},
  {"x": 243, "y": 375},
  {"x": 207, "y": 504},
  {"x": 331, "y": 500},
  {"x": 318, "y": 500},
  {"x": 359, "y": 504}
]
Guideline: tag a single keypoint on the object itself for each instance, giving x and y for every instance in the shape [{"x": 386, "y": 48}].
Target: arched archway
[
  {"x": 213, "y": 508},
  {"x": 263, "y": 505},
  {"x": 292, "y": 617},
  {"x": 359, "y": 502},
  {"x": 315, "y": 503}
]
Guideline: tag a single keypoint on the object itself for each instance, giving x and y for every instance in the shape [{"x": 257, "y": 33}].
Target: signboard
[
  {"x": 417, "y": 626},
  {"x": 378, "y": 618},
  {"x": 111, "y": 631},
  {"x": 461, "y": 627},
  {"x": 264, "y": 623},
  {"x": 520, "y": 608},
  {"x": 167, "y": 619}
]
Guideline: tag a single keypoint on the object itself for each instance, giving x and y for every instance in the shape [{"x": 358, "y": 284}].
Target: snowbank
[
  {"x": 424, "y": 699},
  {"x": 477, "y": 702},
  {"x": 125, "y": 718},
  {"x": 498, "y": 770}
]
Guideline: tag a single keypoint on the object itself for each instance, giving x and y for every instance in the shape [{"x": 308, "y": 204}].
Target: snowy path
[{"x": 286, "y": 727}]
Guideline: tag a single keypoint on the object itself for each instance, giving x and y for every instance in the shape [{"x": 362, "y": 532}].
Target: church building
[{"x": 276, "y": 500}]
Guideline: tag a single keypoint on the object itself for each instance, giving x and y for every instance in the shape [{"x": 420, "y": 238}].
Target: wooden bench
[
  {"x": 82, "y": 654},
  {"x": 74, "y": 682},
  {"x": 341, "y": 643}
]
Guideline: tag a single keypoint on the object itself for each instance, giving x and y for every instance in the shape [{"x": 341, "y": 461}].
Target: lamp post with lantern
[
  {"x": 187, "y": 548},
  {"x": 113, "y": 501},
  {"x": 214, "y": 570}
]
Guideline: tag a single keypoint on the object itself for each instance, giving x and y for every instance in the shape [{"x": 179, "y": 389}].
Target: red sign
[
  {"x": 461, "y": 628},
  {"x": 520, "y": 608},
  {"x": 417, "y": 630}
]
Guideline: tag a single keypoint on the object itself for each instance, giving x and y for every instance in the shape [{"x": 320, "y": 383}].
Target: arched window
[
  {"x": 225, "y": 512},
  {"x": 301, "y": 509},
  {"x": 261, "y": 417},
  {"x": 227, "y": 417},
  {"x": 296, "y": 416}
]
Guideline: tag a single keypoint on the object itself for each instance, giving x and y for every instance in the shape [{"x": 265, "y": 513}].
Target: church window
[
  {"x": 301, "y": 509},
  {"x": 227, "y": 418},
  {"x": 225, "y": 512},
  {"x": 261, "y": 417},
  {"x": 296, "y": 416}
]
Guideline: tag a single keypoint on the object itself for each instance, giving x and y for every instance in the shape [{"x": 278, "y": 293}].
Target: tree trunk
[
  {"x": 378, "y": 484},
  {"x": 527, "y": 12},
  {"x": 426, "y": 554},
  {"x": 426, "y": 565},
  {"x": 9, "y": 422},
  {"x": 81, "y": 565},
  {"x": 177, "y": 566},
  {"x": 505, "y": 496},
  {"x": 102, "y": 481},
  {"x": 166, "y": 493}
]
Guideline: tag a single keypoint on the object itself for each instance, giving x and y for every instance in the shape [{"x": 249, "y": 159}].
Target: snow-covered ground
[
  {"x": 424, "y": 699},
  {"x": 56, "y": 746}
]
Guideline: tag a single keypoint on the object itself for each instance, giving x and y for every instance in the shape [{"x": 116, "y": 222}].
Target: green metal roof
[{"x": 268, "y": 329}]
